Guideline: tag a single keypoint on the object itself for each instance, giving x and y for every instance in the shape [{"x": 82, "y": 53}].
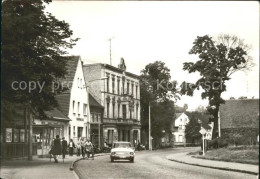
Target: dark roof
[
  {"x": 63, "y": 99},
  {"x": 93, "y": 102},
  {"x": 239, "y": 113},
  {"x": 177, "y": 115},
  {"x": 63, "y": 102},
  {"x": 56, "y": 114},
  {"x": 72, "y": 63}
]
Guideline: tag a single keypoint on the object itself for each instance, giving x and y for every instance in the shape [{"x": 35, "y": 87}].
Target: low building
[
  {"x": 181, "y": 120},
  {"x": 239, "y": 121}
]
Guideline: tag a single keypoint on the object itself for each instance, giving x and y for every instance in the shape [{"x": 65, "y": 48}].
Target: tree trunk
[{"x": 28, "y": 117}]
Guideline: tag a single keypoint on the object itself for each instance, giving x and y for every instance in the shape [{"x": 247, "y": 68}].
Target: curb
[
  {"x": 219, "y": 168},
  {"x": 72, "y": 164}
]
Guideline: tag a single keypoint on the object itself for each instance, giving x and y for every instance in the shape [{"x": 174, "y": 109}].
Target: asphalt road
[{"x": 150, "y": 164}]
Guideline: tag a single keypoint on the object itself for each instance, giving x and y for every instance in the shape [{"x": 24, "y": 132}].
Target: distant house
[
  {"x": 180, "y": 122},
  {"x": 239, "y": 120}
]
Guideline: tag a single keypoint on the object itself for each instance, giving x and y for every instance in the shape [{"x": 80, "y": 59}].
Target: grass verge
[{"x": 239, "y": 154}]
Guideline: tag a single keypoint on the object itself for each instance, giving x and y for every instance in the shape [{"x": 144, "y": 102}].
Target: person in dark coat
[
  {"x": 71, "y": 147},
  {"x": 64, "y": 145},
  {"x": 56, "y": 148}
]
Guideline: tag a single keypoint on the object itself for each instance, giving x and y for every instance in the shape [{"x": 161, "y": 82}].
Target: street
[{"x": 150, "y": 164}]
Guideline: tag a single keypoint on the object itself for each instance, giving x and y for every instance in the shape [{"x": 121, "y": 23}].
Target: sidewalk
[
  {"x": 231, "y": 166},
  {"x": 39, "y": 168}
]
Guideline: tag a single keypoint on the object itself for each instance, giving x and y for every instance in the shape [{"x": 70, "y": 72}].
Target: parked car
[{"x": 122, "y": 150}]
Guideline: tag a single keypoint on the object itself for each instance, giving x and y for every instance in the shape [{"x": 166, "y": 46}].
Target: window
[
  {"x": 130, "y": 111},
  {"x": 118, "y": 110},
  {"x": 85, "y": 109},
  {"x": 99, "y": 117},
  {"x": 132, "y": 91},
  {"x": 107, "y": 83},
  {"x": 73, "y": 106},
  {"x": 136, "y": 91},
  {"x": 180, "y": 138},
  {"x": 113, "y": 85},
  {"x": 80, "y": 130},
  {"x": 81, "y": 83},
  {"x": 127, "y": 89},
  {"x": 74, "y": 131},
  {"x": 78, "y": 108},
  {"x": 124, "y": 111},
  {"x": 118, "y": 86},
  {"x": 92, "y": 117},
  {"x": 136, "y": 111},
  {"x": 113, "y": 110},
  {"x": 123, "y": 87},
  {"x": 96, "y": 117},
  {"x": 107, "y": 110}
]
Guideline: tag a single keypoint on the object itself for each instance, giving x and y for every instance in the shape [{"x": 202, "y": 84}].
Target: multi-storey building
[{"x": 118, "y": 91}]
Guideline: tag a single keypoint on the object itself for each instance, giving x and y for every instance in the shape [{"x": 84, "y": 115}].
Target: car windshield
[{"x": 121, "y": 145}]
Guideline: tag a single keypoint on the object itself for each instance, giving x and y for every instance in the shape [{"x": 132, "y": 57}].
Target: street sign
[
  {"x": 202, "y": 131},
  {"x": 209, "y": 132}
]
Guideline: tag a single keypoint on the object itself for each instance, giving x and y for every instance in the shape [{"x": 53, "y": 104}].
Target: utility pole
[{"x": 110, "y": 39}]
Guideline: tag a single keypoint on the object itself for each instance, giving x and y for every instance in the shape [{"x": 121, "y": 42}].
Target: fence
[{"x": 16, "y": 150}]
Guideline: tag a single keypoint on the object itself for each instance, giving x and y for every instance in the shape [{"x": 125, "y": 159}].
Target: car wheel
[{"x": 112, "y": 160}]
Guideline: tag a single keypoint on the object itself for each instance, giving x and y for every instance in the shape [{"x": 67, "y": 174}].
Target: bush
[{"x": 222, "y": 143}]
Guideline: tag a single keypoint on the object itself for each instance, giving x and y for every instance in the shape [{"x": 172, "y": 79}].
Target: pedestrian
[
  {"x": 71, "y": 147},
  {"x": 56, "y": 148},
  {"x": 89, "y": 149},
  {"x": 83, "y": 149},
  {"x": 78, "y": 146},
  {"x": 64, "y": 145}
]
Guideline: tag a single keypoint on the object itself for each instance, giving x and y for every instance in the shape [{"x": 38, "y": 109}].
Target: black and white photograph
[{"x": 129, "y": 89}]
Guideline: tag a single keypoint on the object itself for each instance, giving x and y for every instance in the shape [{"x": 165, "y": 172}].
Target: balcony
[{"x": 122, "y": 121}]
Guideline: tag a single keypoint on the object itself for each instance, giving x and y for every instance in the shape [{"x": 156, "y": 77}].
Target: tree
[
  {"x": 33, "y": 47},
  {"x": 157, "y": 89},
  {"x": 193, "y": 127},
  {"x": 218, "y": 60}
]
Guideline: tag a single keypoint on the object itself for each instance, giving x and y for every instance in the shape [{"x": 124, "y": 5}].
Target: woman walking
[
  {"x": 89, "y": 149},
  {"x": 71, "y": 147},
  {"x": 56, "y": 148},
  {"x": 78, "y": 148}
]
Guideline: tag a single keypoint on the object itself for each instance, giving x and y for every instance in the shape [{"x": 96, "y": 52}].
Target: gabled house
[
  {"x": 78, "y": 107},
  {"x": 239, "y": 121},
  {"x": 181, "y": 120}
]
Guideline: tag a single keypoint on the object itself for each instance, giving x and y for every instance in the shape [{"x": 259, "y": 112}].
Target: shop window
[
  {"x": 8, "y": 135},
  {"x": 16, "y": 135},
  {"x": 22, "y": 135}
]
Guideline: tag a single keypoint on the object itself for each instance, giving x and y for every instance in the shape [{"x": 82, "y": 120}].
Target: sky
[{"x": 143, "y": 32}]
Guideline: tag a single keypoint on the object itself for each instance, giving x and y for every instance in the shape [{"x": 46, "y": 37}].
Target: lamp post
[
  {"x": 202, "y": 131},
  {"x": 150, "y": 146}
]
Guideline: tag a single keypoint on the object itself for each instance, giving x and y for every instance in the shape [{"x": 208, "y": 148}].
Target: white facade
[
  {"x": 79, "y": 112},
  {"x": 180, "y": 123}
]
